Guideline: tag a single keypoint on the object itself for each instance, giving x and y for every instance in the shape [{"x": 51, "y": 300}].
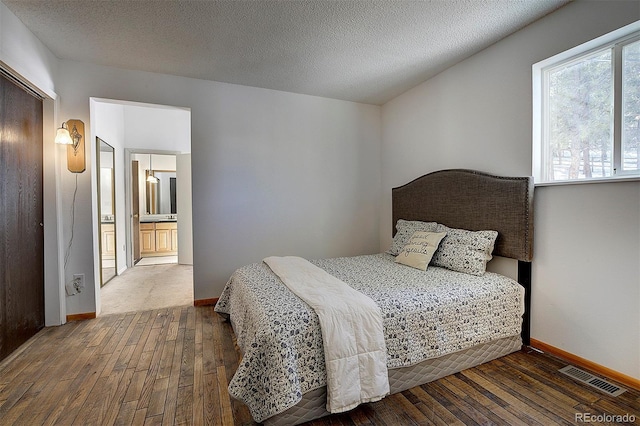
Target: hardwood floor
[{"x": 172, "y": 366}]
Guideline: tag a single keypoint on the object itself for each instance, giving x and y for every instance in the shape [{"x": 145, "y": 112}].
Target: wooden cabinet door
[
  {"x": 163, "y": 240},
  {"x": 174, "y": 240},
  {"x": 21, "y": 217},
  {"x": 108, "y": 241},
  {"x": 148, "y": 241}
]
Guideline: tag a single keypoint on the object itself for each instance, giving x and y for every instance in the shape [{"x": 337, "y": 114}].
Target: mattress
[{"x": 426, "y": 315}]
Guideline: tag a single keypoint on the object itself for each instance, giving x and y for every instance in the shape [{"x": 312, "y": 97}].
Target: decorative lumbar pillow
[
  {"x": 404, "y": 231},
  {"x": 420, "y": 248},
  {"x": 464, "y": 251}
]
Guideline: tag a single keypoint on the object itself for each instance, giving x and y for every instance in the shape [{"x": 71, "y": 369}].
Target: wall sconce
[{"x": 74, "y": 139}]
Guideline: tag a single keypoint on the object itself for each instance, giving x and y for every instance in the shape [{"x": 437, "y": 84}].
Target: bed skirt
[{"x": 313, "y": 403}]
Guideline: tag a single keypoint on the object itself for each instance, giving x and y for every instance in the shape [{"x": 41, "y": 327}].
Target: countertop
[{"x": 149, "y": 218}]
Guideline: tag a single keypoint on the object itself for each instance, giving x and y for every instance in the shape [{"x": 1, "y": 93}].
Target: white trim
[
  {"x": 90, "y": 148},
  {"x": 537, "y": 125},
  {"x": 617, "y": 109},
  {"x": 138, "y": 104},
  {"x": 610, "y": 179},
  {"x": 23, "y": 76},
  {"x": 54, "y": 286},
  {"x": 619, "y": 82},
  {"x": 613, "y": 40},
  {"x": 128, "y": 214}
]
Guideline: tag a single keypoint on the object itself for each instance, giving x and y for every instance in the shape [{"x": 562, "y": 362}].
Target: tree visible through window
[
  {"x": 580, "y": 117},
  {"x": 587, "y": 109}
]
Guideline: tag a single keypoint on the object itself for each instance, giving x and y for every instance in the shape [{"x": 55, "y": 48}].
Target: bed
[{"x": 436, "y": 322}]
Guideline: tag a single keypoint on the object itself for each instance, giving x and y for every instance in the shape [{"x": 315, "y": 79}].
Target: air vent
[{"x": 592, "y": 380}]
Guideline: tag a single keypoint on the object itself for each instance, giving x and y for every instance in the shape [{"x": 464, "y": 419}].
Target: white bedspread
[{"x": 352, "y": 332}]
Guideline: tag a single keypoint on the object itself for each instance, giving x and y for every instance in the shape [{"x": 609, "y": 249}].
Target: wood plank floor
[{"x": 172, "y": 367}]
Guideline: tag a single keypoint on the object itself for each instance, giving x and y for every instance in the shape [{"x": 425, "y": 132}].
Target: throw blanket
[{"x": 352, "y": 333}]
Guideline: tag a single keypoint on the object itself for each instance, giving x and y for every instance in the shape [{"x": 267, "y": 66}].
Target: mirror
[
  {"x": 161, "y": 195},
  {"x": 106, "y": 210}
]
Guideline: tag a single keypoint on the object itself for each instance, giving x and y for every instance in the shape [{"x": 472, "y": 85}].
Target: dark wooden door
[
  {"x": 21, "y": 217},
  {"x": 135, "y": 210}
]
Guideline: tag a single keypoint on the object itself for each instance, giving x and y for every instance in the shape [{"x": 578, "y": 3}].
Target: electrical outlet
[
  {"x": 71, "y": 289},
  {"x": 78, "y": 282}
]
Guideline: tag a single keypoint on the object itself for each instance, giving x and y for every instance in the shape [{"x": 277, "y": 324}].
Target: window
[{"x": 586, "y": 112}]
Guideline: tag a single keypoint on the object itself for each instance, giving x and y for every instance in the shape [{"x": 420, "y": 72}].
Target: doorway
[
  {"x": 155, "y": 224},
  {"x": 143, "y": 136}
]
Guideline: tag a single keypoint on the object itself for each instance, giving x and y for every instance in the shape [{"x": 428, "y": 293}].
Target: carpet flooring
[
  {"x": 148, "y": 287},
  {"x": 157, "y": 260}
]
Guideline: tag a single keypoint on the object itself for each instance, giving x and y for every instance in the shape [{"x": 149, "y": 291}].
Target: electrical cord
[{"x": 73, "y": 219}]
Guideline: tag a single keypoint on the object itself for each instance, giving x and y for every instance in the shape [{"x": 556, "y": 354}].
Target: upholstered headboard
[
  {"x": 473, "y": 200},
  {"x": 476, "y": 201}
]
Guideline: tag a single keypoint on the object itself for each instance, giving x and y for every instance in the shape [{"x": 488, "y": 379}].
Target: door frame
[
  {"x": 55, "y": 297},
  {"x": 53, "y": 165},
  {"x": 128, "y": 152},
  {"x": 135, "y": 217}
]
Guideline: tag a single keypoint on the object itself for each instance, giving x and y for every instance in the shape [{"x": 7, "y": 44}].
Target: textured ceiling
[{"x": 365, "y": 51}]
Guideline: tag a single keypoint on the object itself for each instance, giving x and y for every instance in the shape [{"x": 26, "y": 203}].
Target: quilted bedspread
[
  {"x": 355, "y": 354},
  {"x": 426, "y": 314}
]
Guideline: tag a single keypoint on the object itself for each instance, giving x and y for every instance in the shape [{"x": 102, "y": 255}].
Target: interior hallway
[{"x": 144, "y": 288}]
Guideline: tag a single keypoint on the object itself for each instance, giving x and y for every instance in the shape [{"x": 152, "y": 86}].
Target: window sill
[{"x": 634, "y": 178}]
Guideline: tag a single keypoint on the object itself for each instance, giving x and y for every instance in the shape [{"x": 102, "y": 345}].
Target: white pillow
[
  {"x": 404, "y": 231},
  {"x": 420, "y": 248}
]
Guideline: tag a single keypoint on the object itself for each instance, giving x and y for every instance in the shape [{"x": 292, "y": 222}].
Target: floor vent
[{"x": 591, "y": 380}]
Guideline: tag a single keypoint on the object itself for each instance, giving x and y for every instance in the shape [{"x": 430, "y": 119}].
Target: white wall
[
  {"x": 477, "y": 115},
  {"x": 157, "y": 127},
  {"x": 23, "y": 53},
  {"x": 586, "y": 273},
  {"x": 25, "y": 56},
  {"x": 185, "y": 204},
  {"x": 278, "y": 173},
  {"x": 107, "y": 121},
  {"x": 273, "y": 172}
]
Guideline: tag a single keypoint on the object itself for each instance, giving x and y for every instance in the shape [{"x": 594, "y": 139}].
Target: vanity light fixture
[
  {"x": 74, "y": 140},
  {"x": 151, "y": 178}
]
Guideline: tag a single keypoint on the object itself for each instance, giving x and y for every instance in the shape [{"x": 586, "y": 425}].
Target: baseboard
[
  {"x": 80, "y": 317},
  {"x": 585, "y": 363},
  {"x": 205, "y": 302}
]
